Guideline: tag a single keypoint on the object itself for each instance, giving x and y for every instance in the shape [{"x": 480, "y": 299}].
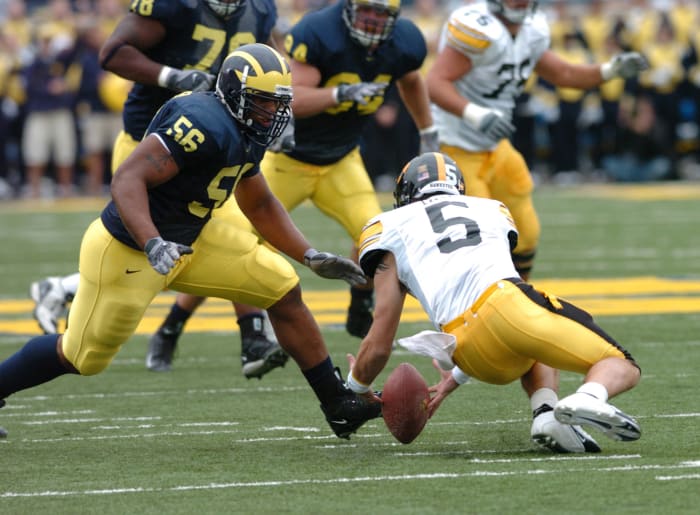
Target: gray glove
[
  {"x": 164, "y": 254},
  {"x": 360, "y": 92},
  {"x": 285, "y": 141},
  {"x": 489, "y": 121},
  {"x": 429, "y": 141},
  {"x": 185, "y": 80},
  {"x": 331, "y": 266},
  {"x": 625, "y": 65}
]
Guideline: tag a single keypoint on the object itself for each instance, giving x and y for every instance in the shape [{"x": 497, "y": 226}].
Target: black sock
[
  {"x": 175, "y": 320},
  {"x": 251, "y": 325},
  {"x": 361, "y": 300},
  {"x": 34, "y": 364},
  {"x": 324, "y": 382}
]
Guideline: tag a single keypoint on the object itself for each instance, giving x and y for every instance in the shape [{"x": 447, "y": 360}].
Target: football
[{"x": 404, "y": 403}]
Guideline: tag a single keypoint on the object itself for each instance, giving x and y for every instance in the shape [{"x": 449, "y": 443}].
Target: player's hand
[
  {"x": 429, "y": 141},
  {"x": 440, "y": 391},
  {"x": 625, "y": 65},
  {"x": 164, "y": 254},
  {"x": 185, "y": 80},
  {"x": 360, "y": 92},
  {"x": 331, "y": 266},
  {"x": 490, "y": 122},
  {"x": 285, "y": 141}
]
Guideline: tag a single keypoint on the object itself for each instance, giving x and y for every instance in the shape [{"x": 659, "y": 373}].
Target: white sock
[
  {"x": 69, "y": 283},
  {"x": 596, "y": 390},
  {"x": 543, "y": 396}
]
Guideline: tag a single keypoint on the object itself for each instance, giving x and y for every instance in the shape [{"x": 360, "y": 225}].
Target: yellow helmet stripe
[{"x": 442, "y": 176}]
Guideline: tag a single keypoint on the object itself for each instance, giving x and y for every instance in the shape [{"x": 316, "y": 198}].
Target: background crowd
[{"x": 60, "y": 113}]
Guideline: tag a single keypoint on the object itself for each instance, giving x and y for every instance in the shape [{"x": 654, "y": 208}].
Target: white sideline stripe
[
  {"x": 341, "y": 480},
  {"x": 683, "y": 476}
]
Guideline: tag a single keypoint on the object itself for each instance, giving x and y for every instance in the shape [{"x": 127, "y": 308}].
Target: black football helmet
[
  {"x": 512, "y": 14},
  {"x": 366, "y": 31},
  {"x": 428, "y": 174},
  {"x": 225, "y": 8},
  {"x": 256, "y": 85}
]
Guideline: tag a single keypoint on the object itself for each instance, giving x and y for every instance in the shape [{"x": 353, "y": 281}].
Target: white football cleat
[
  {"x": 549, "y": 433},
  {"x": 49, "y": 303},
  {"x": 584, "y": 409}
]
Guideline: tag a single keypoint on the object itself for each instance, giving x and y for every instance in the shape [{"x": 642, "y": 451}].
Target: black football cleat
[
  {"x": 260, "y": 355},
  {"x": 161, "y": 349},
  {"x": 347, "y": 413}
]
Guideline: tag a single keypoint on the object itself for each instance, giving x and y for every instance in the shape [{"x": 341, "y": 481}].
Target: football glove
[
  {"x": 185, "y": 80},
  {"x": 330, "y": 266},
  {"x": 162, "y": 255},
  {"x": 359, "y": 92},
  {"x": 429, "y": 140},
  {"x": 285, "y": 141},
  {"x": 490, "y": 122},
  {"x": 625, "y": 65}
]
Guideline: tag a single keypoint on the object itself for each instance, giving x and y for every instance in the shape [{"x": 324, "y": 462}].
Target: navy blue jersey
[
  {"x": 212, "y": 154},
  {"x": 196, "y": 38},
  {"x": 322, "y": 40}
]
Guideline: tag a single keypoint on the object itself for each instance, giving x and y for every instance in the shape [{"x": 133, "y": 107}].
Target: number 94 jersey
[
  {"x": 501, "y": 65},
  {"x": 449, "y": 249}
]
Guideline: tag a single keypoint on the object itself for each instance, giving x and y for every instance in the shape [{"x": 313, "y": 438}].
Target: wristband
[
  {"x": 474, "y": 113},
  {"x": 459, "y": 376},
  {"x": 355, "y": 385},
  {"x": 165, "y": 71},
  {"x": 334, "y": 93},
  {"x": 310, "y": 252},
  {"x": 606, "y": 71},
  {"x": 428, "y": 130}
]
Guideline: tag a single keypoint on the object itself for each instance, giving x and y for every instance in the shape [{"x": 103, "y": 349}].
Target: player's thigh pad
[
  {"x": 346, "y": 194},
  {"x": 230, "y": 263},
  {"x": 117, "y": 284},
  {"x": 123, "y": 146}
]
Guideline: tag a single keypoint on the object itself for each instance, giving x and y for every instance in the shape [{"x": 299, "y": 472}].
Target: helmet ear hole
[
  {"x": 428, "y": 174},
  {"x": 255, "y": 83}
]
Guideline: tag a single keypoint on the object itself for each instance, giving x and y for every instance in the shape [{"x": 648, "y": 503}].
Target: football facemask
[{"x": 371, "y": 22}]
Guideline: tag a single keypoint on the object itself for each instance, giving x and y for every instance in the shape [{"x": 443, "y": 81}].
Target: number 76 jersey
[
  {"x": 501, "y": 65},
  {"x": 449, "y": 249}
]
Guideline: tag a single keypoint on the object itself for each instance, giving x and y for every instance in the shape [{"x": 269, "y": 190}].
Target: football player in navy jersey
[
  {"x": 158, "y": 232},
  {"x": 343, "y": 58},
  {"x": 166, "y": 47}
]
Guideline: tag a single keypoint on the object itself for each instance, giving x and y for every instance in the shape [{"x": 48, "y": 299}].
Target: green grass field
[{"x": 202, "y": 439}]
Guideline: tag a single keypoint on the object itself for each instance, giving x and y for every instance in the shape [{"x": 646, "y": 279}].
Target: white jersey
[
  {"x": 501, "y": 66},
  {"x": 449, "y": 249}
]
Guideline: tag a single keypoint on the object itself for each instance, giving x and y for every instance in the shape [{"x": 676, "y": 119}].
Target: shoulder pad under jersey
[{"x": 473, "y": 31}]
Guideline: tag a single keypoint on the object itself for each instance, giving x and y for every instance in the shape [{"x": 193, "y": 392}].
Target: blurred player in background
[
  {"x": 452, "y": 252},
  {"x": 487, "y": 53}
]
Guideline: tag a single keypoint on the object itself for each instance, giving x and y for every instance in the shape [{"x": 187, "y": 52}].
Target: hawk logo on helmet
[
  {"x": 256, "y": 85},
  {"x": 429, "y": 174}
]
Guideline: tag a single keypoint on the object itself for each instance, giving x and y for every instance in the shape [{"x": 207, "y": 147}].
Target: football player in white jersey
[
  {"x": 487, "y": 52},
  {"x": 452, "y": 253}
]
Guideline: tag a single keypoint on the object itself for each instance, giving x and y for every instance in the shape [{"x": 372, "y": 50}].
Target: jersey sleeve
[
  {"x": 410, "y": 40},
  {"x": 371, "y": 250},
  {"x": 303, "y": 43},
  {"x": 473, "y": 33},
  {"x": 166, "y": 11},
  {"x": 184, "y": 132}
]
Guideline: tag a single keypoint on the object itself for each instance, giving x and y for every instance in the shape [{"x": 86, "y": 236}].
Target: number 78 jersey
[
  {"x": 449, "y": 249},
  {"x": 501, "y": 65}
]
